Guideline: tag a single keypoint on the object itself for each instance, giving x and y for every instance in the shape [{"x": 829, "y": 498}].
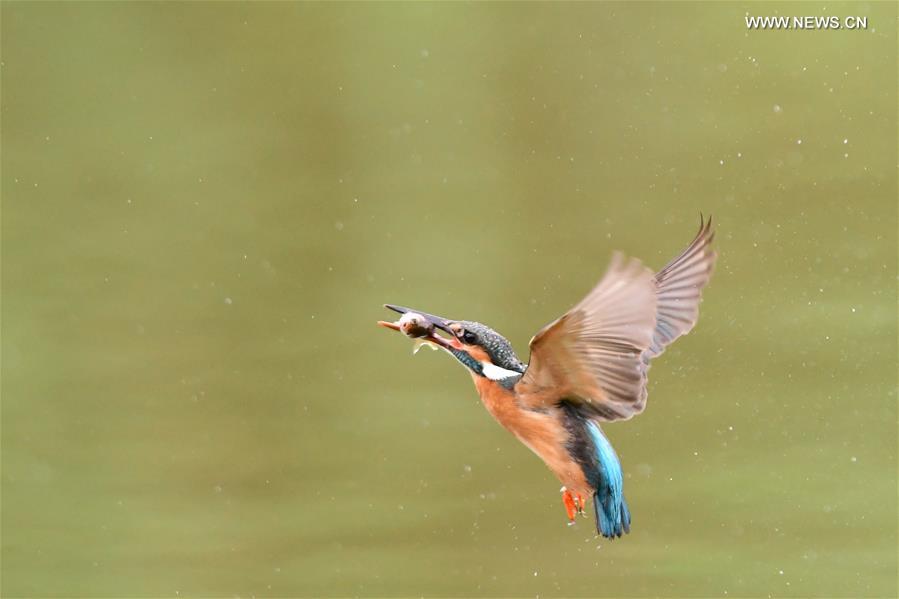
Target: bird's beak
[{"x": 436, "y": 321}]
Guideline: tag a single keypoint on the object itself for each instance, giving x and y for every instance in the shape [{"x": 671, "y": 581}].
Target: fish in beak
[{"x": 422, "y": 327}]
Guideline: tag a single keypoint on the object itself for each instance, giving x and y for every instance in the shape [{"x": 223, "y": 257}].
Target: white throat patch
[{"x": 497, "y": 373}]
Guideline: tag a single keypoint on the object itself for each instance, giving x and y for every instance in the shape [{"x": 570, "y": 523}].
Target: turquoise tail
[{"x": 613, "y": 518}]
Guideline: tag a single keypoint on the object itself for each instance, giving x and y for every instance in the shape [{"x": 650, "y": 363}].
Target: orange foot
[
  {"x": 571, "y": 505},
  {"x": 574, "y": 504}
]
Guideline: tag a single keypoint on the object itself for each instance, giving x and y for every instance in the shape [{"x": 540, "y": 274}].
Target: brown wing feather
[
  {"x": 679, "y": 289},
  {"x": 597, "y": 354},
  {"x": 592, "y": 354}
]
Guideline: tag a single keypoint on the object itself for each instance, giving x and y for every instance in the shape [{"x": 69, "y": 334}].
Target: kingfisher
[{"x": 586, "y": 368}]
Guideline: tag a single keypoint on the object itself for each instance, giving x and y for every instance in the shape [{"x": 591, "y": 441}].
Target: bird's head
[{"x": 482, "y": 350}]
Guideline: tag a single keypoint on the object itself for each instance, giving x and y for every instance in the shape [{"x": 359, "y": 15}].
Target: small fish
[{"x": 415, "y": 325}]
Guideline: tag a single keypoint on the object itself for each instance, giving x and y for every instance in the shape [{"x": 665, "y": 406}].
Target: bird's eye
[{"x": 469, "y": 337}]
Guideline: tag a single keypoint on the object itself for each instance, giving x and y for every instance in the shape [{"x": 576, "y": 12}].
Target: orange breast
[{"x": 542, "y": 432}]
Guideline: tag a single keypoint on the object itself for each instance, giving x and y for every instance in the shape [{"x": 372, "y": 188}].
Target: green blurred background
[{"x": 205, "y": 205}]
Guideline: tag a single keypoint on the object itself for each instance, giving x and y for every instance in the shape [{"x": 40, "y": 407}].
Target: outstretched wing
[
  {"x": 592, "y": 355},
  {"x": 597, "y": 354},
  {"x": 679, "y": 289}
]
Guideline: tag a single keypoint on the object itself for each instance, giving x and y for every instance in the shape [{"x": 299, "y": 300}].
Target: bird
[{"x": 586, "y": 368}]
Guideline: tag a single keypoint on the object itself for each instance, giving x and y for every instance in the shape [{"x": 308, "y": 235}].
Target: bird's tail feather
[{"x": 612, "y": 519}]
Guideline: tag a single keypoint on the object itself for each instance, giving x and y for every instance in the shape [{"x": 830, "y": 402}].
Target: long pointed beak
[{"x": 436, "y": 321}]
